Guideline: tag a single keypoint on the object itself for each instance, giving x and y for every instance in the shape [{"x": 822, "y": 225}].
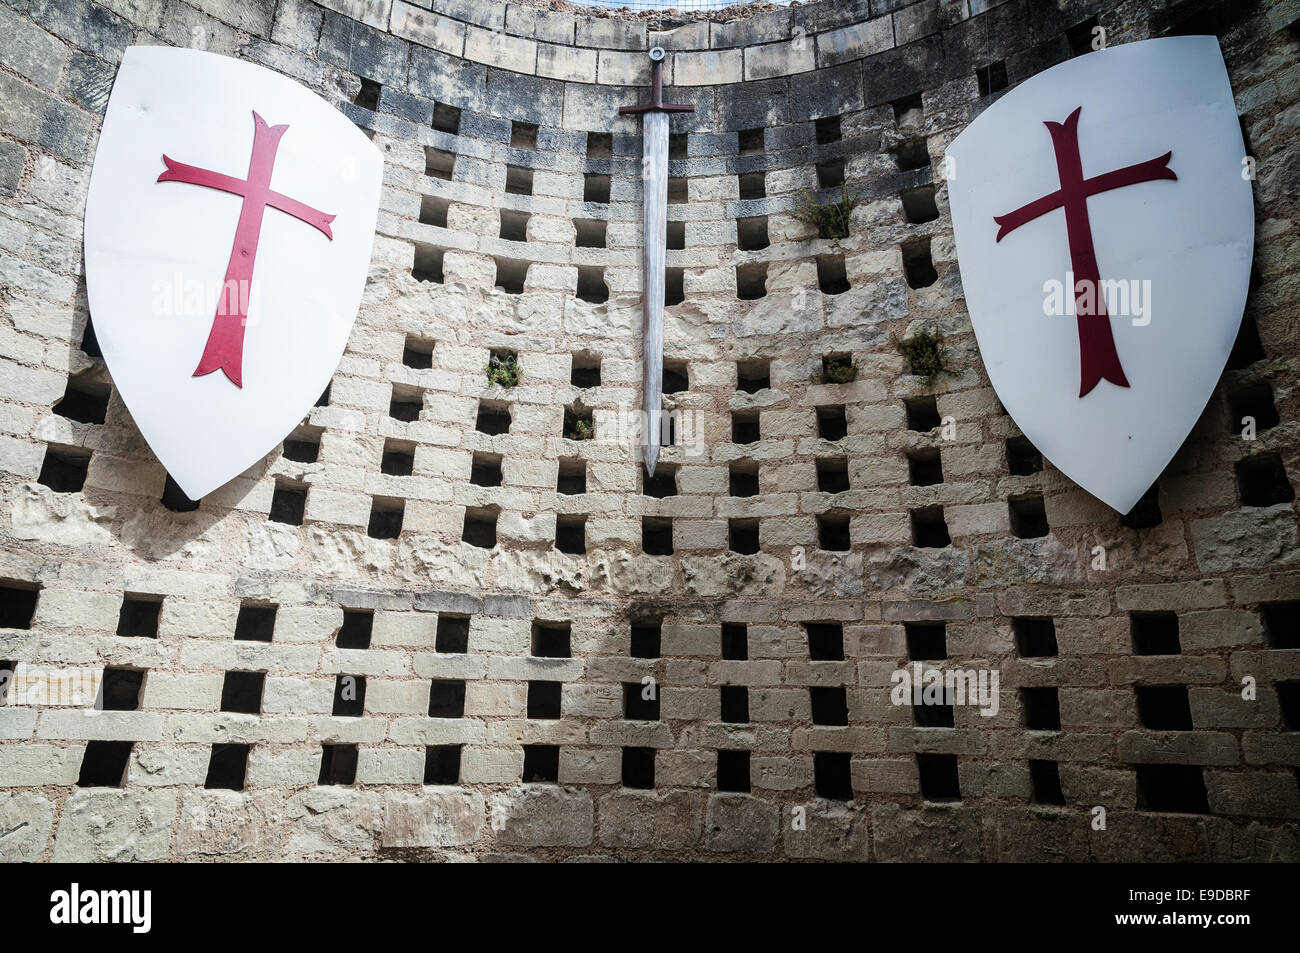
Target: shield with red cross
[
  {"x": 228, "y": 232},
  {"x": 1104, "y": 225}
]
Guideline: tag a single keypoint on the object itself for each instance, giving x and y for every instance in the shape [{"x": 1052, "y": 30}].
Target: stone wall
[{"x": 771, "y": 733}]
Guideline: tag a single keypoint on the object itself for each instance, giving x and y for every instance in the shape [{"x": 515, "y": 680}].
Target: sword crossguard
[{"x": 656, "y": 103}]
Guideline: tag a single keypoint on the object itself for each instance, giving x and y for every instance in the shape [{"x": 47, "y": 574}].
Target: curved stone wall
[{"x": 443, "y": 541}]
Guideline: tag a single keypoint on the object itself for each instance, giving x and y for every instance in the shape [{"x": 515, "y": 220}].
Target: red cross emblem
[
  {"x": 1098, "y": 359},
  {"x": 225, "y": 347}
]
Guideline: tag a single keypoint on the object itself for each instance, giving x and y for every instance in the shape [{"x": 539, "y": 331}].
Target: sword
[{"x": 654, "y": 244}]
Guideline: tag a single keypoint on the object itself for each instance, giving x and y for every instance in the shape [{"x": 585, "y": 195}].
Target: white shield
[
  {"x": 1178, "y": 249},
  {"x": 160, "y": 247}
]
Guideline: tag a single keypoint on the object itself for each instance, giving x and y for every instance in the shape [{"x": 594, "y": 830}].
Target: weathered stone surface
[
  {"x": 542, "y": 816},
  {"x": 100, "y": 825},
  {"x": 25, "y": 822},
  {"x": 433, "y": 818}
]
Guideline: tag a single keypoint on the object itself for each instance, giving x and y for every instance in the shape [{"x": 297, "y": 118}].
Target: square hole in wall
[
  {"x": 833, "y": 532},
  {"x": 242, "y": 692},
  {"x": 485, "y": 469},
  {"x": 674, "y": 286},
  {"x": 174, "y": 498},
  {"x": 585, "y": 369},
  {"x": 744, "y": 426},
  {"x": 349, "y": 696},
  {"x": 1081, "y": 37},
  {"x": 924, "y": 468},
  {"x": 751, "y": 281},
  {"x": 1163, "y": 707},
  {"x": 356, "y": 630},
  {"x": 912, "y": 154},
  {"x": 939, "y": 778},
  {"x": 832, "y": 775},
  {"x": 907, "y": 111},
  {"x": 367, "y": 96},
  {"x": 255, "y": 622},
  {"x": 428, "y": 264},
  {"x": 675, "y": 236},
  {"x": 753, "y": 185},
  {"x": 749, "y": 141},
  {"x": 398, "y": 458},
  {"x": 929, "y": 528},
  {"x": 84, "y": 400},
  {"x": 678, "y": 193},
  {"x": 571, "y": 478},
  {"x": 541, "y": 764},
  {"x": 103, "y": 764},
  {"x": 406, "y": 403},
  {"x": 338, "y": 764},
  {"x": 544, "y": 699},
  {"x": 922, "y": 414},
  {"x": 120, "y": 688},
  {"x": 662, "y": 484},
  {"x": 433, "y": 210},
  {"x": 640, "y": 701},
  {"x": 735, "y": 704},
  {"x": 514, "y": 225},
  {"x": 578, "y": 423},
  {"x": 832, "y": 278},
  {"x": 523, "y": 135},
  {"x": 446, "y": 118},
  {"x": 439, "y": 163},
  {"x": 1246, "y": 349},
  {"x": 646, "y": 638},
  {"x": 1252, "y": 406},
  {"x": 830, "y": 704},
  {"x": 638, "y": 769},
  {"x": 917, "y": 264},
  {"x": 227, "y": 766},
  {"x": 1288, "y": 700},
  {"x": 1174, "y": 788},
  {"x": 919, "y": 205},
  {"x": 571, "y": 534},
  {"x": 676, "y": 377},
  {"x": 832, "y": 422},
  {"x": 926, "y": 641},
  {"x": 1281, "y": 622},
  {"x": 600, "y": 145},
  {"x": 735, "y": 641},
  {"x": 678, "y": 147},
  {"x": 595, "y": 188},
  {"x": 1262, "y": 481},
  {"x": 733, "y": 771},
  {"x": 827, "y": 129},
  {"x": 591, "y": 284},
  {"x": 656, "y": 535},
  {"x": 992, "y": 78},
  {"x": 64, "y": 469},
  {"x": 1023, "y": 457},
  {"x": 451, "y": 635},
  {"x": 480, "y": 526},
  {"x": 1045, "y": 781},
  {"x": 447, "y": 698},
  {"x": 742, "y": 536},
  {"x": 932, "y": 715},
  {"x": 1028, "y": 516},
  {"x": 742, "y": 478},
  {"x": 1035, "y": 637},
  {"x": 17, "y": 603},
  {"x": 303, "y": 445},
  {"x": 590, "y": 233},
  {"x": 825, "y": 641},
  {"x": 493, "y": 417},
  {"x": 1042, "y": 708},
  {"x": 90, "y": 343},
  {"x": 510, "y": 275},
  {"x": 1154, "y": 633},
  {"x": 551, "y": 640},
  {"x": 442, "y": 764},
  {"x": 519, "y": 180},
  {"x": 830, "y": 173},
  {"x": 832, "y": 474},
  {"x": 386, "y": 514},
  {"x": 751, "y": 233},
  {"x": 1146, "y": 511},
  {"x": 138, "y": 617}
]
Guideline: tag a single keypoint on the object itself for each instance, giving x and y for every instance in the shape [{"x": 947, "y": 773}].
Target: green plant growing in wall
[
  {"x": 832, "y": 218},
  {"x": 582, "y": 430},
  {"x": 503, "y": 369},
  {"x": 839, "y": 370},
  {"x": 925, "y": 355}
]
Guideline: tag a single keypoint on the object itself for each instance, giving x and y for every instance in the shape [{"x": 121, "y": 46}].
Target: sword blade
[{"x": 654, "y": 248}]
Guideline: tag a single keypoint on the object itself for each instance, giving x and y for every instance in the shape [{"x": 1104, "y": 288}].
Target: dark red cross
[
  {"x": 1098, "y": 359},
  {"x": 225, "y": 347}
]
